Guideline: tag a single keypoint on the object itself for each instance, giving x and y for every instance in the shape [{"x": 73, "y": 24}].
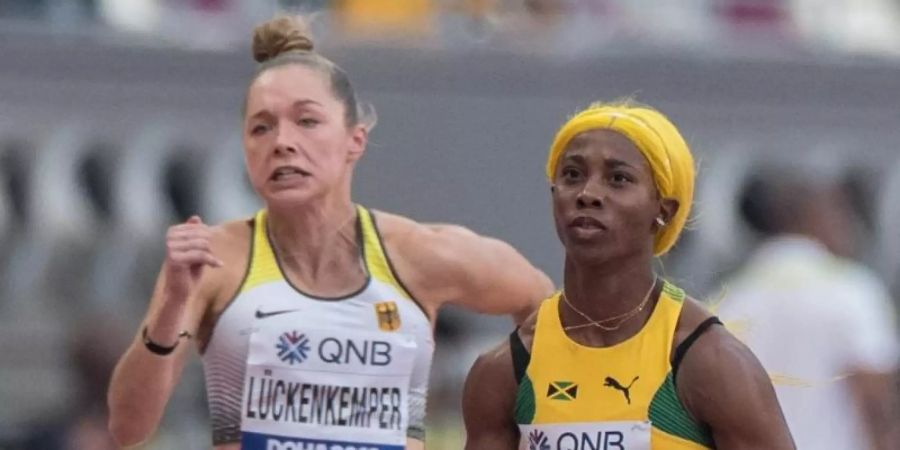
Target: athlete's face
[
  {"x": 297, "y": 144},
  {"x": 605, "y": 201}
]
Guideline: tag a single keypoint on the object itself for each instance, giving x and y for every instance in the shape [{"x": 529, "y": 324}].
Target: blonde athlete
[
  {"x": 314, "y": 318},
  {"x": 620, "y": 359}
]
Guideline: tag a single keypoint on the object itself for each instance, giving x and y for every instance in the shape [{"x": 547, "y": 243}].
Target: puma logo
[{"x": 626, "y": 391}]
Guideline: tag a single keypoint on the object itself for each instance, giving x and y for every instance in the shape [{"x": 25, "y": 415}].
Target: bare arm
[
  {"x": 876, "y": 399},
  {"x": 724, "y": 386},
  {"x": 488, "y": 402},
  {"x": 143, "y": 381},
  {"x": 450, "y": 264}
]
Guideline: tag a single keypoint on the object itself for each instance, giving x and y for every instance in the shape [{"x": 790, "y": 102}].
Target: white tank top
[{"x": 318, "y": 363}]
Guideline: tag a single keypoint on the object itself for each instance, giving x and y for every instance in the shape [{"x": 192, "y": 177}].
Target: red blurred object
[
  {"x": 211, "y": 5},
  {"x": 753, "y": 12}
]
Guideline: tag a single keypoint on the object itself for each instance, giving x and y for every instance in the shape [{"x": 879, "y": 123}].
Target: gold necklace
[{"x": 624, "y": 317}]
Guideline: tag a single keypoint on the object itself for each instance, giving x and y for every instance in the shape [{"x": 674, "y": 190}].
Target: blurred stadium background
[{"x": 120, "y": 117}]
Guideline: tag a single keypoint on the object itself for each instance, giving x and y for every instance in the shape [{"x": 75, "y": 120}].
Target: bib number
[{"x": 304, "y": 387}]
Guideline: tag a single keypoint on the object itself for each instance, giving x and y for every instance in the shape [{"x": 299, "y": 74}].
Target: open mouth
[
  {"x": 587, "y": 223},
  {"x": 285, "y": 172}
]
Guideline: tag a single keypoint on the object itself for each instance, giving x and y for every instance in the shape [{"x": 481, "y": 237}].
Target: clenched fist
[{"x": 188, "y": 251}]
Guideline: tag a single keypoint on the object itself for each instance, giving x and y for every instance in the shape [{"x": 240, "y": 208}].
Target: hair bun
[{"x": 280, "y": 35}]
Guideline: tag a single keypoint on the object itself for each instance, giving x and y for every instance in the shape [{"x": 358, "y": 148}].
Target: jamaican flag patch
[{"x": 562, "y": 390}]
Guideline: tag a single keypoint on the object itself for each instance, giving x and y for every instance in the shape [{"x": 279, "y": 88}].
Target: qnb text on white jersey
[{"x": 305, "y": 385}]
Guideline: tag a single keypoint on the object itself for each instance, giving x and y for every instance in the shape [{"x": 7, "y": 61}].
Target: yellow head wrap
[{"x": 657, "y": 139}]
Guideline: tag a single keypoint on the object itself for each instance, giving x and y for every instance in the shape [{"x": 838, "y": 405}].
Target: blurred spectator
[
  {"x": 385, "y": 18},
  {"x": 864, "y": 26},
  {"x": 22, "y": 8},
  {"x": 558, "y": 27},
  {"x": 821, "y": 324},
  {"x": 83, "y": 426},
  {"x": 752, "y": 13},
  {"x": 61, "y": 14},
  {"x": 303, "y": 6},
  {"x": 546, "y": 12}
]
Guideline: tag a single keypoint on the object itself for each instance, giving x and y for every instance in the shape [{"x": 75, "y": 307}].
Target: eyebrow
[
  {"x": 304, "y": 102},
  {"x": 297, "y": 104},
  {"x": 613, "y": 163},
  {"x": 260, "y": 114},
  {"x": 576, "y": 159}
]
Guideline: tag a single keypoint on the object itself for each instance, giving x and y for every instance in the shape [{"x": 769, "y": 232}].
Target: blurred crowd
[
  {"x": 809, "y": 234},
  {"x": 822, "y": 324},
  {"x": 870, "y": 27}
]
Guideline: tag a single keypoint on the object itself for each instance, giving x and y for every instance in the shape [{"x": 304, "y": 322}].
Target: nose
[
  {"x": 591, "y": 196},
  {"x": 284, "y": 144},
  {"x": 285, "y": 148}
]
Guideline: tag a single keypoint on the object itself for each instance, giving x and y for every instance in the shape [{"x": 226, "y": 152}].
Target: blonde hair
[{"x": 286, "y": 40}]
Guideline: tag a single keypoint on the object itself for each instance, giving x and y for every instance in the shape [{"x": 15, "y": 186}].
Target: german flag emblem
[
  {"x": 388, "y": 316},
  {"x": 562, "y": 390}
]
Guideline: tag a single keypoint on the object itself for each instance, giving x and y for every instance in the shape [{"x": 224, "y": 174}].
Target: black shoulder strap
[
  {"x": 520, "y": 355},
  {"x": 685, "y": 345}
]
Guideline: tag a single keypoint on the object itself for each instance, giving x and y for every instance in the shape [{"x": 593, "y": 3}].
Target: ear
[
  {"x": 668, "y": 207},
  {"x": 359, "y": 137}
]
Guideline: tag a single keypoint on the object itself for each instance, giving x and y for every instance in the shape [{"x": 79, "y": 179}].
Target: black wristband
[{"x": 159, "y": 349}]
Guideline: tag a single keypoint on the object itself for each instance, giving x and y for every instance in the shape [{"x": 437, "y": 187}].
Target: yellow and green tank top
[{"x": 572, "y": 396}]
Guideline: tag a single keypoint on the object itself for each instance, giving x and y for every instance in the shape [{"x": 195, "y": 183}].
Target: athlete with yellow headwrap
[{"x": 620, "y": 359}]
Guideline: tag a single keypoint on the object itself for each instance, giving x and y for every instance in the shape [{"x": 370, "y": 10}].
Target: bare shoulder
[
  {"x": 231, "y": 242},
  {"x": 491, "y": 375},
  {"x": 498, "y": 361},
  {"x": 714, "y": 350},
  {"x": 430, "y": 258},
  {"x": 442, "y": 263},
  {"x": 527, "y": 329},
  {"x": 693, "y": 313},
  {"x": 490, "y": 389},
  {"x": 489, "y": 401},
  {"x": 406, "y": 235},
  {"x": 495, "y": 364},
  {"x": 233, "y": 228},
  {"x": 724, "y": 386}
]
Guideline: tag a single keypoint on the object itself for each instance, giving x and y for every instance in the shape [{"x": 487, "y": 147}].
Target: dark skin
[{"x": 605, "y": 205}]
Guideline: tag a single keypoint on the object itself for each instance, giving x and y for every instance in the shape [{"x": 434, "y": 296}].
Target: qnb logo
[
  {"x": 601, "y": 440},
  {"x": 293, "y": 347},
  {"x": 274, "y": 444},
  {"x": 537, "y": 441},
  {"x": 351, "y": 352}
]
